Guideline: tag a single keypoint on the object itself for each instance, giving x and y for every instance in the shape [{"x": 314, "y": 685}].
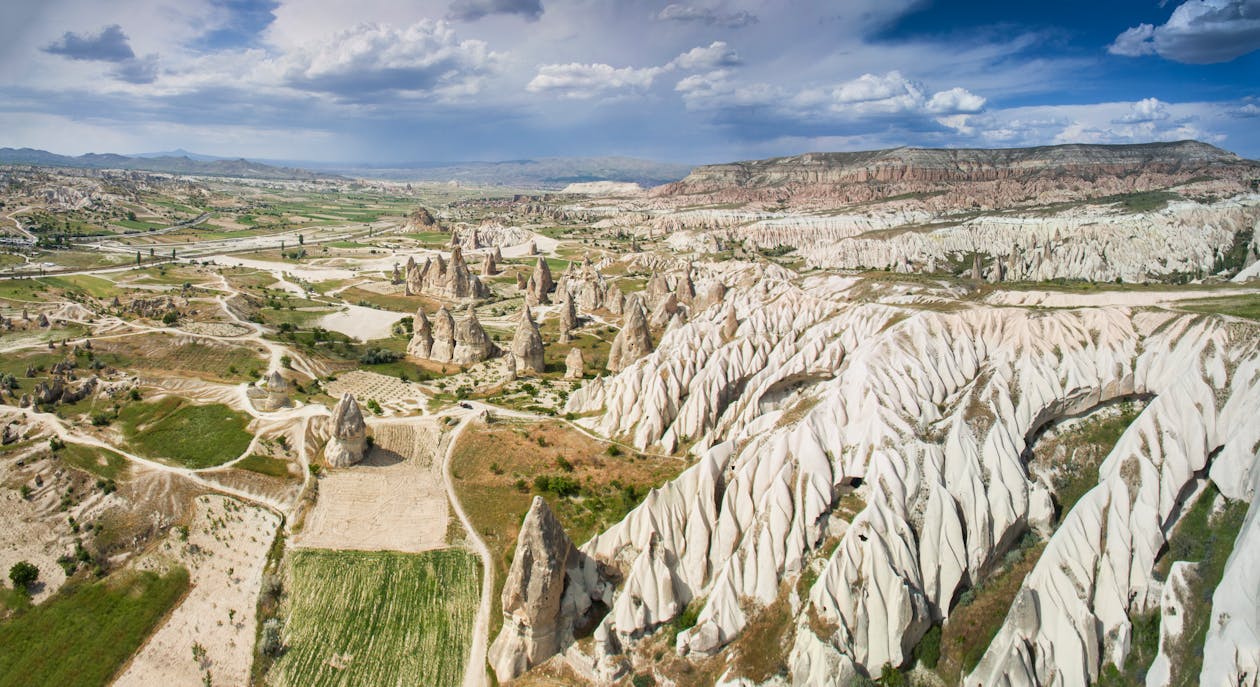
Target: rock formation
[
  {"x": 271, "y": 393},
  {"x": 568, "y": 320},
  {"x": 574, "y": 364},
  {"x": 472, "y": 344},
  {"x": 930, "y": 413},
  {"x": 347, "y": 444},
  {"x": 540, "y": 283},
  {"x": 633, "y": 341},
  {"x": 527, "y": 345},
  {"x": 439, "y": 279},
  {"x": 665, "y": 311},
  {"x": 421, "y": 344},
  {"x": 533, "y": 595},
  {"x": 443, "y": 348},
  {"x": 488, "y": 265},
  {"x": 963, "y": 178},
  {"x": 421, "y": 220}
]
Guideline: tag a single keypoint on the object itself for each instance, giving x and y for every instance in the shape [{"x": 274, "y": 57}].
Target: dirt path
[{"x": 475, "y": 671}]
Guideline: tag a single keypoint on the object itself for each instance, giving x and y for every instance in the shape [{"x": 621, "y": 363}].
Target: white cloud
[
  {"x": 955, "y": 100},
  {"x": 868, "y": 95},
  {"x": 716, "y": 54},
  {"x": 1147, "y": 110},
  {"x": 679, "y": 12},
  {"x": 584, "y": 81},
  {"x": 372, "y": 58},
  {"x": 1198, "y": 32}
]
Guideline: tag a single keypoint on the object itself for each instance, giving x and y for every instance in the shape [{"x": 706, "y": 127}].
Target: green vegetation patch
[
  {"x": 191, "y": 436},
  {"x": 378, "y": 618},
  {"x": 1247, "y": 306},
  {"x": 263, "y": 465},
  {"x": 84, "y": 634},
  {"x": 98, "y": 461}
]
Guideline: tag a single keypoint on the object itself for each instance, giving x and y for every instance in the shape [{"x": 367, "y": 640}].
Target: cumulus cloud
[
  {"x": 584, "y": 81},
  {"x": 472, "y": 10},
  {"x": 716, "y": 54},
  {"x": 1198, "y": 32},
  {"x": 368, "y": 59},
  {"x": 110, "y": 44},
  {"x": 703, "y": 15},
  {"x": 1147, "y": 110},
  {"x": 869, "y": 103}
]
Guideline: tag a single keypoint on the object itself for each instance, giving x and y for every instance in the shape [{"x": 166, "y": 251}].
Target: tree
[{"x": 23, "y": 575}]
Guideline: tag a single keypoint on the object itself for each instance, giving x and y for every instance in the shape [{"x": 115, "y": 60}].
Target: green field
[
  {"x": 264, "y": 465},
  {"x": 385, "y": 618},
  {"x": 85, "y": 633},
  {"x": 191, "y": 436},
  {"x": 98, "y": 461},
  {"x": 1239, "y": 306}
]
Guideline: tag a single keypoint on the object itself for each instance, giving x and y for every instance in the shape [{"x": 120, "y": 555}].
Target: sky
[{"x": 693, "y": 81}]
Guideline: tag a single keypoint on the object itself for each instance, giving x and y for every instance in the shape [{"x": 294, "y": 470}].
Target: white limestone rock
[{"x": 348, "y": 443}]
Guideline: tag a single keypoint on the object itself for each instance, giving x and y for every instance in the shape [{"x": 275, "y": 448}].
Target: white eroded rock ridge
[{"x": 796, "y": 393}]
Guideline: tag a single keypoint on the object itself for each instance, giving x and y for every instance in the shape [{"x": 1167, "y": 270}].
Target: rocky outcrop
[
  {"x": 271, "y": 393},
  {"x": 443, "y": 348},
  {"x": 421, "y": 344},
  {"x": 527, "y": 345},
  {"x": 533, "y": 595},
  {"x": 927, "y": 416},
  {"x": 347, "y": 444},
  {"x": 421, "y": 220},
  {"x": 633, "y": 341},
  {"x": 568, "y": 320},
  {"x": 540, "y": 283},
  {"x": 472, "y": 344},
  {"x": 574, "y": 364},
  {"x": 488, "y": 265},
  {"x": 439, "y": 279},
  {"x": 963, "y": 177}
]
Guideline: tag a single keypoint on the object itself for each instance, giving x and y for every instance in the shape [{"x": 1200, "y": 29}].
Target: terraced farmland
[{"x": 378, "y": 618}]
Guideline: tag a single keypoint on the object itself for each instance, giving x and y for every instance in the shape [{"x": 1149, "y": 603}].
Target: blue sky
[{"x": 690, "y": 81}]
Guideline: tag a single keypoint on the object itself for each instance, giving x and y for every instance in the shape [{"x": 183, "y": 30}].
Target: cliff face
[{"x": 873, "y": 175}]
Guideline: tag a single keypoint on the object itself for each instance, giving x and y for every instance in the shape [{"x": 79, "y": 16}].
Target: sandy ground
[
  {"x": 361, "y": 323},
  {"x": 29, "y": 534},
  {"x": 225, "y": 554},
  {"x": 1056, "y": 299},
  {"x": 394, "y": 500}
]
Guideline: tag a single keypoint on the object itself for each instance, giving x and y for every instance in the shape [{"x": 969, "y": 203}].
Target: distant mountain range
[
  {"x": 184, "y": 164},
  {"x": 544, "y": 173}
]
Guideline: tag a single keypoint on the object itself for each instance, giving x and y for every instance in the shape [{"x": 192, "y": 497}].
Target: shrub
[
  {"x": 560, "y": 485},
  {"x": 271, "y": 643},
  {"x": 928, "y": 652},
  {"x": 23, "y": 574}
]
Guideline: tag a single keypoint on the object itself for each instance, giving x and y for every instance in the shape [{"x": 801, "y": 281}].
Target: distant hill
[
  {"x": 970, "y": 175},
  {"x": 543, "y": 173},
  {"x": 184, "y": 164}
]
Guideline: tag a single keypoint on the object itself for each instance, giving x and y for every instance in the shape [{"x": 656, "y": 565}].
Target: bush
[
  {"x": 560, "y": 485},
  {"x": 23, "y": 574},
  {"x": 170, "y": 318},
  {"x": 928, "y": 652},
  {"x": 271, "y": 643},
  {"x": 378, "y": 356}
]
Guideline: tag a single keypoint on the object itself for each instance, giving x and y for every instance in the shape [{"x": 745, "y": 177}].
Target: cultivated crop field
[{"x": 378, "y": 618}]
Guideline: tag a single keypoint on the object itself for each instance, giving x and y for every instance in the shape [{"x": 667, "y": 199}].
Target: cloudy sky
[{"x": 687, "y": 81}]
